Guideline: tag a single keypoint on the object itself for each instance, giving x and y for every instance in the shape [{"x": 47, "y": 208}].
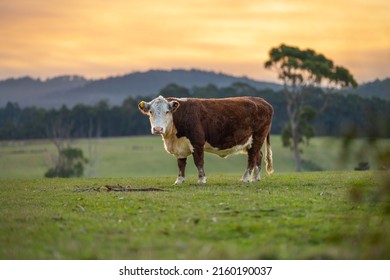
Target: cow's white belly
[
  {"x": 231, "y": 151},
  {"x": 182, "y": 148}
]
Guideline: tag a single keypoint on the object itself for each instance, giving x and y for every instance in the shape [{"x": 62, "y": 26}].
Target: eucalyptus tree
[{"x": 300, "y": 71}]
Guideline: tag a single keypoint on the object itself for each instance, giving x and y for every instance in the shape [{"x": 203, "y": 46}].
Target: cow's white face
[{"x": 160, "y": 112}]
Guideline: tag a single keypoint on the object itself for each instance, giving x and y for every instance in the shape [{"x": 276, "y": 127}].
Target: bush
[{"x": 70, "y": 163}]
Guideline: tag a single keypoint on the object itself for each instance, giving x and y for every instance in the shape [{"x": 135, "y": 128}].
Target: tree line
[{"x": 343, "y": 115}]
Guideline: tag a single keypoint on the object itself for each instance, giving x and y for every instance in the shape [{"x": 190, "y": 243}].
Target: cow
[{"x": 225, "y": 126}]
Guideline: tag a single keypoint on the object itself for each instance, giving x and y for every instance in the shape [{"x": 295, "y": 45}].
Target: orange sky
[{"x": 99, "y": 38}]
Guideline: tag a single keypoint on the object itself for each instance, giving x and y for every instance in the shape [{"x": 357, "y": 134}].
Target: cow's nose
[{"x": 158, "y": 130}]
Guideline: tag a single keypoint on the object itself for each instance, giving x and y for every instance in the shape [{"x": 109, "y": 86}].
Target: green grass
[
  {"x": 145, "y": 156},
  {"x": 311, "y": 215},
  {"x": 314, "y": 215}
]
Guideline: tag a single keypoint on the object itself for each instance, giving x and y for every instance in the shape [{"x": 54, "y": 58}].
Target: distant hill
[
  {"x": 27, "y": 91},
  {"x": 71, "y": 90},
  {"x": 376, "y": 88}
]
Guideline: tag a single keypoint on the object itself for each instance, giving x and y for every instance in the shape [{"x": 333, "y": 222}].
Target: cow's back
[{"x": 222, "y": 123}]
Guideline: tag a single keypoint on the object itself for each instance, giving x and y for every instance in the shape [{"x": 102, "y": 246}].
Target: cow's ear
[
  {"x": 174, "y": 105},
  {"x": 144, "y": 107}
]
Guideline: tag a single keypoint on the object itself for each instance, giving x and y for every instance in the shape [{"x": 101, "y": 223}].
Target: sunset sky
[{"x": 100, "y": 38}]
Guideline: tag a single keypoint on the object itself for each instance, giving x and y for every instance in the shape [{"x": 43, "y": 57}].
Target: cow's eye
[
  {"x": 151, "y": 112},
  {"x": 167, "y": 112}
]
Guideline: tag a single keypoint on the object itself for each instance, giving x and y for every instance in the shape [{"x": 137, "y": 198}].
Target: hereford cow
[{"x": 219, "y": 126}]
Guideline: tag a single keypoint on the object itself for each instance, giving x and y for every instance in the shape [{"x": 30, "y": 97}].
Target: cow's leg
[
  {"x": 198, "y": 155},
  {"x": 252, "y": 159},
  {"x": 181, "y": 163},
  {"x": 259, "y": 158},
  {"x": 256, "y": 171}
]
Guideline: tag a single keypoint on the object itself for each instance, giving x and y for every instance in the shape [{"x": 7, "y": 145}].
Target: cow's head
[{"x": 160, "y": 112}]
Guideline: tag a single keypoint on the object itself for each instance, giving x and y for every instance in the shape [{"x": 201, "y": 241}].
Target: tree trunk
[
  {"x": 295, "y": 142},
  {"x": 293, "y": 107}
]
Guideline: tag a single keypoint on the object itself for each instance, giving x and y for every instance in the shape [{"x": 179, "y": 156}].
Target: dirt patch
[{"x": 119, "y": 188}]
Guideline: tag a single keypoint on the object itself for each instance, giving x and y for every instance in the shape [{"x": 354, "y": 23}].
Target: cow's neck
[{"x": 180, "y": 147}]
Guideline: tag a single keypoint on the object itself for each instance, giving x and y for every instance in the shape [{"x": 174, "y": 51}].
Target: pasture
[
  {"x": 313, "y": 215},
  {"x": 145, "y": 156},
  {"x": 310, "y": 215}
]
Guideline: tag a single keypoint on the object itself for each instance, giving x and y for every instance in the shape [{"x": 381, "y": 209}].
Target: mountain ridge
[{"x": 74, "y": 89}]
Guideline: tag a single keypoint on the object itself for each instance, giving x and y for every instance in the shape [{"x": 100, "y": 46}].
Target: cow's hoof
[
  {"x": 179, "y": 180},
  {"x": 202, "y": 180},
  {"x": 244, "y": 181},
  {"x": 255, "y": 180}
]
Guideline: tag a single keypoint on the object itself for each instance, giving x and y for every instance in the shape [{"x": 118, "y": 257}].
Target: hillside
[
  {"x": 377, "y": 88},
  {"x": 27, "y": 91},
  {"x": 71, "y": 90}
]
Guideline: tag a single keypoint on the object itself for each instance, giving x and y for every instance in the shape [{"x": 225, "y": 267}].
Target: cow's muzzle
[{"x": 158, "y": 130}]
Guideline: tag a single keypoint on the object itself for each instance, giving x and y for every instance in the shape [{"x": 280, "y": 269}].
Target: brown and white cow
[{"x": 190, "y": 126}]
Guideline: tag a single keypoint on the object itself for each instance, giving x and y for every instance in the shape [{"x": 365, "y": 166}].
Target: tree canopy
[
  {"x": 301, "y": 68},
  {"x": 345, "y": 113}
]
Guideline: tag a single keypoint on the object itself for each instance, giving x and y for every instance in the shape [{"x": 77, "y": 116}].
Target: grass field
[
  {"x": 313, "y": 215},
  {"x": 145, "y": 156}
]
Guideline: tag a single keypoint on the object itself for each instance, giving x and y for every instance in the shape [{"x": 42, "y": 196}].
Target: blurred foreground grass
[{"x": 314, "y": 215}]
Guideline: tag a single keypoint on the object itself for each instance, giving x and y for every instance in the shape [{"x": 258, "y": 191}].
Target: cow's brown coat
[{"x": 224, "y": 123}]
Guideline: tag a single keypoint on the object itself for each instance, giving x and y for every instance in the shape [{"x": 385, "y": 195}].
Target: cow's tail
[{"x": 268, "y": 155}]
